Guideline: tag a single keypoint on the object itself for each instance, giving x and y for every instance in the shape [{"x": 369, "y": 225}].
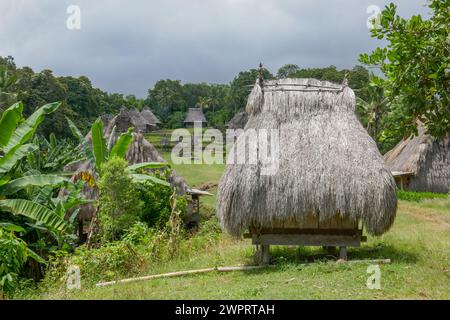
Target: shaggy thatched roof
[
  {"x": 328, "y": 164},
  {"x": 195, "y": 115},
  {"x": 426, "y": 158},
  {"x": 149, "y": 116},
  {"x": 139, "y": 122},
  {"x": 140, "y": 150},
  {"x": 238, "y": 121}
]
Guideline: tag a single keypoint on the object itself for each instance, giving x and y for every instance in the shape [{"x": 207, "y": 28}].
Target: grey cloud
[{"x": 126, "y": 46}]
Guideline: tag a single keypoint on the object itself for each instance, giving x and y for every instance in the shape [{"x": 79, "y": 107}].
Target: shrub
[
  {"x": 14, "y": 253},
  {"x": 156, "y": 203},
  {"x": 108, "y": 262},
  {"x": 118, "y": 200},
  {"x": 175, "y": 120},
  {"x": 112, "y": 260},
  {"x": 139, "y": 233},
  {"x": 418, "y": 196}
]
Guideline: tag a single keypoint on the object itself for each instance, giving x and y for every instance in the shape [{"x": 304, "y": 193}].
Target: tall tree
[
  {"x": 7, "y": 83},
  {"x": 415, "y": 64},
  {"x": 165, "y": 98},
  {"x": 287, "y": 71},
  {"x": 241, "y": 86}
]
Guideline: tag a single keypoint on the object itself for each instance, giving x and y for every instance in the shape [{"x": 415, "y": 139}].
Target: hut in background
[
  {"x": 195, "y": 115},
  {"x": 139, "y": 123},
  {"x": 238, "y": 121},
  {"x": 421, "y": 163},
  {"x": 330, "y": 176},
  {"x": 150, "y": 117}
]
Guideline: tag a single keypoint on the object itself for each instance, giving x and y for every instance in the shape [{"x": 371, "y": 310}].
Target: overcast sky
[{"x": 126, "y": 46}]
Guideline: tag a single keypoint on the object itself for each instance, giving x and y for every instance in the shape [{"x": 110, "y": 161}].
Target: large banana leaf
[
  {"x": 8, "y": 122},
  {"x": 83, "y": 143},
  {"x": 11, "y": 227},
  {"x": 121, "y": 146},
  {"x": 26, "y": 130},
  {"x": 75, "y": 131},
  {"x": 98, "y": 143},
  {"x": 4, "y": 180},
  {"x": 44, "y": 195},
  {"x": 34, "y": 211},
  {"x": 32, "y": 181},
  {"x": 10, "y": 159},
  {"x": 145, "y": 177},
  {"x": 147, "y": 165},
  {"x": 35, "y": 256}
]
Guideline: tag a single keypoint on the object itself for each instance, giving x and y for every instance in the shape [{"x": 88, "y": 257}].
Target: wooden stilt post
[
  {"x": 343, "y": 253},
  {"x": 265, "y": 254}
]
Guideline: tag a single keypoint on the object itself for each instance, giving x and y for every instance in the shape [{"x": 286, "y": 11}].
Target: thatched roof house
[
  {"x": 421, "y": 163},
  {"x": 195, "y": 115},
  {"x": 150, "y": 117},
  {"x": 328, "y": 165},
  {"x": 140, "y": 124},
  {"x": 238, "y": 121}
]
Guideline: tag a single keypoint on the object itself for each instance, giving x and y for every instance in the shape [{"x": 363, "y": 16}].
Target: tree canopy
[
  {"x": 169, "y": 99},
  {"x": 416, "y": 68}
]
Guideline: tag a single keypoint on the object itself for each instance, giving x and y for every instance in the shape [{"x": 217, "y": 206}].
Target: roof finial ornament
[
  {"x": 345, "y": 81},
  {"x": 260, "y": 79}
]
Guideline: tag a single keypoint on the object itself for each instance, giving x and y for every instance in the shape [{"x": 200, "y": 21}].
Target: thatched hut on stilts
[
  {"x": 331, "y": 179},
  {"x": 421, "y": 163}
]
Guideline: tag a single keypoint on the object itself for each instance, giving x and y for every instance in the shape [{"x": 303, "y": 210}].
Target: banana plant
[
  {"x": 7, "y": 82},
  {"x": 101, "y": 151},
  {"x": 52, "y": 155},
  {"x": 15, "y": 133}
]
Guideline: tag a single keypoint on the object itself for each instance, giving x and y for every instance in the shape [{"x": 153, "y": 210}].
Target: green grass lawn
[
  {"x": 418, "y": 245},
  {"x": 197, "y": 175}
]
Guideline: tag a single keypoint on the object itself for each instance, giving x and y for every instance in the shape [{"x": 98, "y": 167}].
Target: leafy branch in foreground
[{"x": 416, "y": 65}]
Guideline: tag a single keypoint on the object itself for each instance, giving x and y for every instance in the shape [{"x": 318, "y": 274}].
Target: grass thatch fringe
[
  {"x": 426, "y": 157},
  {"x": 328, "y": 164}
]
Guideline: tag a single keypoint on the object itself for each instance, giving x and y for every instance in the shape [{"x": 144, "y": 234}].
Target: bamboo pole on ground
[{"x": 223, "y": 269}]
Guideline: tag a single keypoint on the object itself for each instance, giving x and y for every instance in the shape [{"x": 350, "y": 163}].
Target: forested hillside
[{"x": 168, "y": 98}]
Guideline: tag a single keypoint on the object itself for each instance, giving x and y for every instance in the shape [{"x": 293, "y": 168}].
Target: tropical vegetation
[{"x": 137, "y": 227}]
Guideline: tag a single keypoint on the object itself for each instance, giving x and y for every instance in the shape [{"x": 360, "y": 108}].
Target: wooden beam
[
  {"x": 313, "y": 231},
  {"x": 307, "y": 240}
]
